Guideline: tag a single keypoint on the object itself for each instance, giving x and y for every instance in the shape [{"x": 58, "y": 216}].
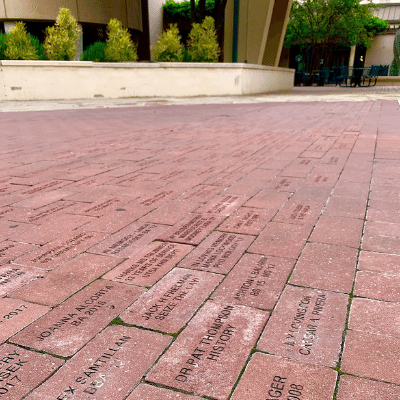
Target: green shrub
[
  {"x": 95, "y": 52},
  {"x": 168, "y": 46},
  {"x": 19, "y": 45},
  {"x": 182, "y": 11},
  {"x": 40, "y": 51},
  {"x": 203, "y": 42},
  {"x": 119, "y": 46},
  {"x": 2, "y": 45},
  {"x": 62, "y": 38}
]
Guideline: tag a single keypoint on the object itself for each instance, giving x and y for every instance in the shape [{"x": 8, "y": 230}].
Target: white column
[
  {"x": 8, "y": 25},
  {"x": 79, "y": 46},
  {"x": 352, "y": 56}
]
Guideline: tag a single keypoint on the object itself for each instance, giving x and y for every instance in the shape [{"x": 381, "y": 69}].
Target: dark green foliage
[
  {"x": 2, "y": 45},
  {"x": 395, "y": 66},
  {"x": 39, "y": 47},
  {"x": 181, "y": 11},
  {"x": 95, "y": 52}
]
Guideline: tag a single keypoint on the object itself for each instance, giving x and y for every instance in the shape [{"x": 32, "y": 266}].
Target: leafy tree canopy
[
  {"x": 344, "y": 22},
  {"x": 323, "y": 24}
]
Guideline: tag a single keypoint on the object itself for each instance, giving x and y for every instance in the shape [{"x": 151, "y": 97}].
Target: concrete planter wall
[{"x": 55, "y": 80}]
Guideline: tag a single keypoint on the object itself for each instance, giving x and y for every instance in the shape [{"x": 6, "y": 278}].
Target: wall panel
[{"x": 37, "y": 9}]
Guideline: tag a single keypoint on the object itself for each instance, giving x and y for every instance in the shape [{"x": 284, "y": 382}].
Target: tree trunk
[
  {"x": 193, "y": 10},
  {"x": 202, "y": 9},
  {"x": 219, "y": 16}
]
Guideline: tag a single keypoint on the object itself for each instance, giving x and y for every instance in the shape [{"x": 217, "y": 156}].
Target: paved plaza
[{"x": 227, "y": 248}]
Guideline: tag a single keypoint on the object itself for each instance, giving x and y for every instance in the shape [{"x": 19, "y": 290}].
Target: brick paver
[{"x": 215, "y": 251}]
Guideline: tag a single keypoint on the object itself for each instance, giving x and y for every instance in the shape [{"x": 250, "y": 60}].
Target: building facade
[
  {"x": 381, "y": 52},
  {"x": 254, "y": 30}
]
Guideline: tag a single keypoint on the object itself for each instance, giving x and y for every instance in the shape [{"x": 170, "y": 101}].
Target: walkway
[{"x": 209, "y": 251}]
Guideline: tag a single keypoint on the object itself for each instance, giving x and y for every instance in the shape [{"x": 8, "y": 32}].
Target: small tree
[
  {"x": 119, "y": 45},
  {"x": 62, "y": 38},
  {"x": 203, "y": 42},
  {"x": 168, "y": 46},
  {"x": 19, "y": 45}
]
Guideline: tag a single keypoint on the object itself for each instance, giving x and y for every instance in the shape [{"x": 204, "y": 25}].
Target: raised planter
[{"x": 55, "y": 80}]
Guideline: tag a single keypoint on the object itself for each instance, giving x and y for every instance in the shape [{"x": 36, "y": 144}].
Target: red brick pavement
[{"x": 243, "y": 252}]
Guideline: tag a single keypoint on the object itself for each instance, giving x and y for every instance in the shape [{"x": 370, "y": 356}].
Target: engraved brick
[
  {"x": 377, "y": 286},
  {"x": 270, "y": 377},
  {"x": 147, "y": 266},
  {"x": 322, "y": 177},
  {"x": 169, "y": 304},
  {"x": 327, "y": 267},
  {"x": 201, "y": 193},
  {"x": 44, "y": 199},
  {"x": 100, "y": 207},
  {"x": 300, "y": 167},
  {"x": 100, "y": 195},
  {"x": 22, "y": 370},
  {"x": 129, "y": 240},
  {"x": 68, "y": 327},
  {"x": 42, "y": 214},
  {"x": 218, "y": 253},
  {"x": 17, "y": 314},
  {"x": 353, "y": 388},
  {"x": 106, "y": 368},
  {"x": 250, "y": 221},
  {"x": 10, "y": 250},
  {"x": 299, "y": 213},
  {"x": 8, "y": 229},
  {"x": 116, "y": 219},
  {"x": 14, "y": 276},
  {"x": 379, "y": 317},
  {"x": 51, "y": 229},
  {"x": 193, "y": 229},
  {"x": 222, "y": 205},
  {"x": 372, "y": 356},
  {"x": 284, "y": 184},
  {"x": 281, "y": 240},
  {"x": 63, "y": 281},
  {"x": 307, "y": 325},
  {"x": 60, "y": 250},
  {"x": 216, "y": 343},
  {"x": 148, "y": 392},
  {"x": 158, "y": 198},
  {"x": 255, "y": 281}
]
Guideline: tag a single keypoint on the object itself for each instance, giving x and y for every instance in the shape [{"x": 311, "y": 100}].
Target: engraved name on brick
[
  {"x": 193, "y": 230},
  {"x": 218, "y": 252},
  {"x": 126, "y": 241},
  {"x": 211, "y": 346},
  {"x": 256, "y": 280},
  {"x": 22, "y": 370},
  {"x": 65, "y": 247},
  {"x": 10, "y": 274},
  {"x": 308, "y": 315},
  {"x": 300, "y": 212}
]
